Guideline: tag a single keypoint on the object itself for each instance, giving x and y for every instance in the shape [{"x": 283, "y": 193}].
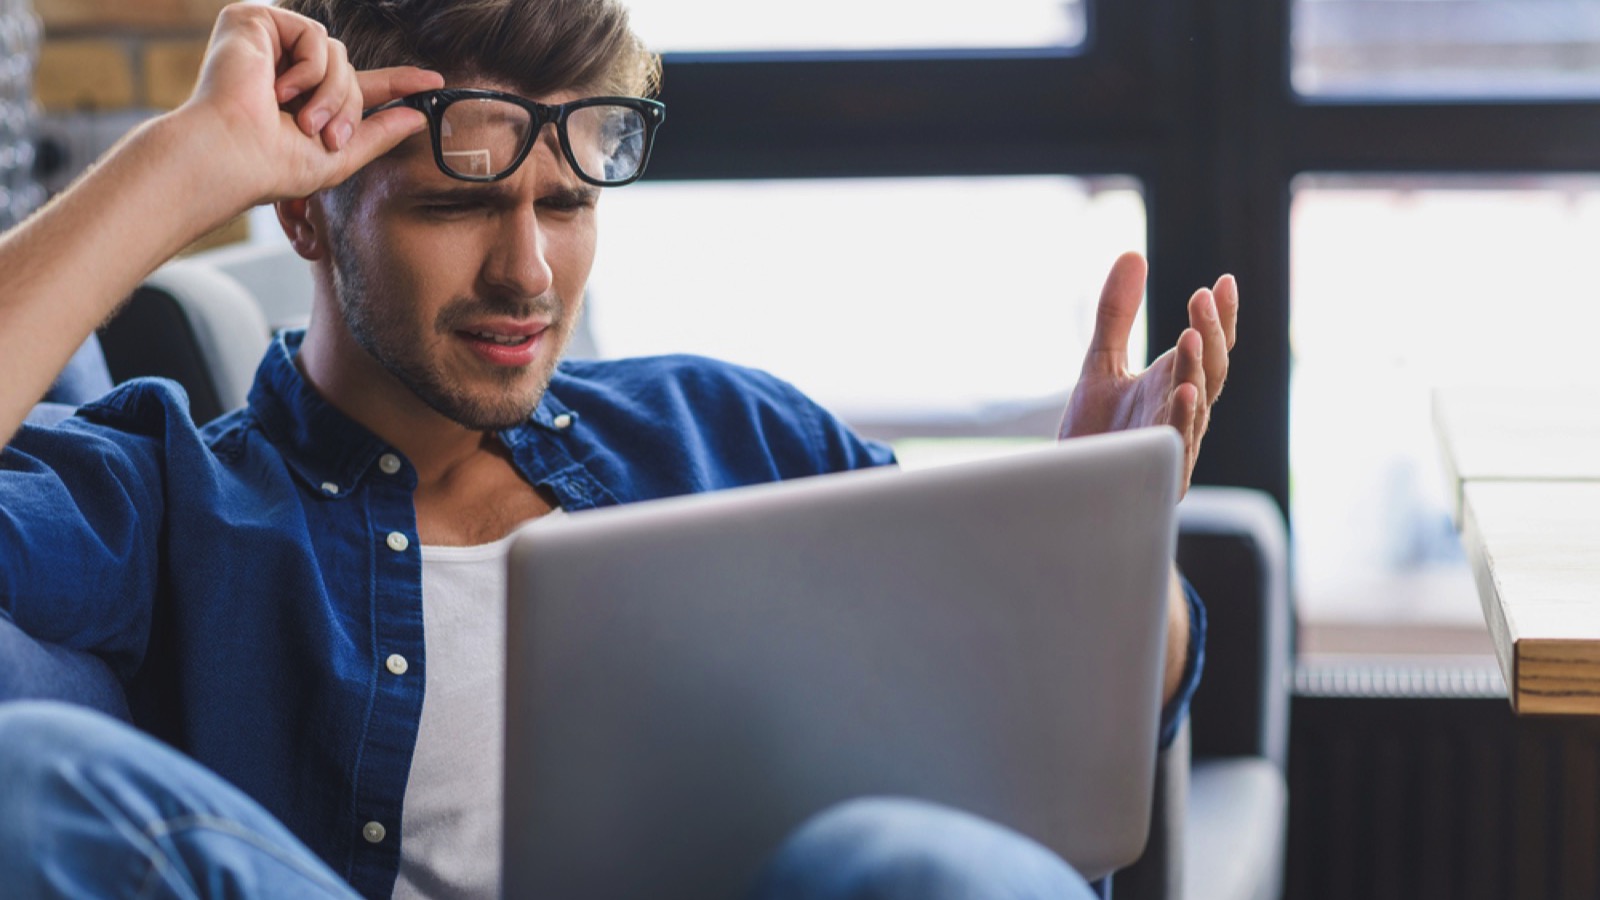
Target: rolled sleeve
[{"x": 1177, "y": 709}]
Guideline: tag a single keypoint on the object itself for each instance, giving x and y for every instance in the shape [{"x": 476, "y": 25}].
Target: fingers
[
  {"x": 1227, "y": 294},
  {"x": 304, "y": 46},
  {"x": 380, "y": 134},
  {"x": 1189, "y": 412},
  {"x": 320, "y": 112},
  {"x": 1186, "y": 415},
  {"x": 1188, "y": 369},
  {"x": 1205, "y": 318},
  {"x": 379, "y": 86},
  {"x": 1119, "y": 307}
]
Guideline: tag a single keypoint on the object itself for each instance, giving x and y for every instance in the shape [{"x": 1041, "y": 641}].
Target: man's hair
[{"x": 537, "y": 46}]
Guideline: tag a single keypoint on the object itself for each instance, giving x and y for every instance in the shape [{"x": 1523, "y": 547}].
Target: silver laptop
[{"x": 690, "y": 679}]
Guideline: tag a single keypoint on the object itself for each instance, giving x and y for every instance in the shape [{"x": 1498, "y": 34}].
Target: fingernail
[
  {"x": 342, "y": 135},
  {"x": 319, "y": 119}
]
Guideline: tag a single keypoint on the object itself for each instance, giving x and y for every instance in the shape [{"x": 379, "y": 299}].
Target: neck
[{"x": 352, "y": 381}]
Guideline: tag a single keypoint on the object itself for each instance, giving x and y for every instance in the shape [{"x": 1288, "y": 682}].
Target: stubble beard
[{"x": 403, "y": 354}]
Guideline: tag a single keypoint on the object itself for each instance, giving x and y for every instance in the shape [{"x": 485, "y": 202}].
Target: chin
[{"x": 486, "y": 409}]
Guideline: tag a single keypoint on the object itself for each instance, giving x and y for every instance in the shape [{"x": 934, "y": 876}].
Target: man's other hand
[
  {"x": 1178, "y": 389},
  {"x": 281, "y": 104}
]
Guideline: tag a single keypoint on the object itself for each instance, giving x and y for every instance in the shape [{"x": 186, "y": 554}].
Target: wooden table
[
  {"x": 1517, "y": 435},
  {"x": 1525, "y": 472}
]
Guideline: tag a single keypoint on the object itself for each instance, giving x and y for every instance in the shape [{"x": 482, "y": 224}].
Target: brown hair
[{"x": 537, "y": 46}]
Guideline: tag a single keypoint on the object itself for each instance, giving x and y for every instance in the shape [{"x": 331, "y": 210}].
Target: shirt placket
[{"x": 398, "y": 666}]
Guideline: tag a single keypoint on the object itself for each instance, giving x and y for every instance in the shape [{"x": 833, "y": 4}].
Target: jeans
[{"x": 93, "y": 808}]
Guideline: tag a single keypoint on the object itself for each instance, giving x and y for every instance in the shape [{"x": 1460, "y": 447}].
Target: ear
[{"x": 305, "y": 223}]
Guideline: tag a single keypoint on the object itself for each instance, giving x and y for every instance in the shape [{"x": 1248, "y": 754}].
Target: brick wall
[
  {"x": 107, "y": 64},
  {"x": 120, "y": 54}
]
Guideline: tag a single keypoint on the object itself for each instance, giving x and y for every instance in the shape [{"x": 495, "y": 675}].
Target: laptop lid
[{"x": 689, "y": 679}]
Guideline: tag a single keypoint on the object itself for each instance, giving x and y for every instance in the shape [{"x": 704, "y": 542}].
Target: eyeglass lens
[{"x": 481, "y": 137}]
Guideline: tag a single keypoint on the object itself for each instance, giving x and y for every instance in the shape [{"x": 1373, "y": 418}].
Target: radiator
[{"x": 1416, "y": 781}]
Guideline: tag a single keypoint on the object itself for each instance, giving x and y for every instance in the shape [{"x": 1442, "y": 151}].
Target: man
[{"x": 264, "y": 586}]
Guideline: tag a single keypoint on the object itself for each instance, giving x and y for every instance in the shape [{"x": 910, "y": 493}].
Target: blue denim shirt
[{"x": 248, "y": 580}]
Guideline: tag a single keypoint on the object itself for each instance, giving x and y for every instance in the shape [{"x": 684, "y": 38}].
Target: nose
[{"x": 517, "y": 264}]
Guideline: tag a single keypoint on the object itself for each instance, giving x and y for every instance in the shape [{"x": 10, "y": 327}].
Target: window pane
[
  {"x": 716, "y": 25},
  {"x": 873, "y": 296},
  {"x": 1401, "y": 285},
  {"x": 1447, "y": 48}
]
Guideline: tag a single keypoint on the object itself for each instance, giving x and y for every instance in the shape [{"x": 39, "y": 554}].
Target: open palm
[{"x": 1177, "y": 389}]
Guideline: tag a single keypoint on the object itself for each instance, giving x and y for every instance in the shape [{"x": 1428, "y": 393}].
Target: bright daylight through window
[
  {"x": 744, "y": 25},
  {"x": 1401, "y": 285},
  {"x": 1447, "y": 48},
  {"x": 876, "y": 297}
]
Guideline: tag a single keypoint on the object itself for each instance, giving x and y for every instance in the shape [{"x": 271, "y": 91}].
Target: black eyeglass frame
[{"x": 433, "y": 104}]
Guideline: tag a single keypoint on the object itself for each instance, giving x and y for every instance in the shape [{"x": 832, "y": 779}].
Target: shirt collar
[{"x": 325, "y": 447}]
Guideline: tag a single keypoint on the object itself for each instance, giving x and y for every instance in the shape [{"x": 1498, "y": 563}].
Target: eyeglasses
[{"x": 483, "y": 135}]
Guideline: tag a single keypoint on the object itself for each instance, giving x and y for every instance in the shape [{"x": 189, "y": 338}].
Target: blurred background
[{"x": 906, "y": 207}]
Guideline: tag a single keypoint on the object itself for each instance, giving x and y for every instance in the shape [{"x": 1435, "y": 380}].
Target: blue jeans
[{"x": 93, "y": 808}]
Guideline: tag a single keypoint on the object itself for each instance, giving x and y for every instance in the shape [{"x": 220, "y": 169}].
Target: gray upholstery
[
  {"x": 272, "y": 274},
  {"x": 195, "y": 325},
  {"x": 1235, "y": 829},
  {"x": 229, "y": 329},
  {"x": 1232, "y": 799}
]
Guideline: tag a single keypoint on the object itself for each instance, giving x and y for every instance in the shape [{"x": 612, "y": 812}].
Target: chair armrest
[
  {"x": 1233, "y": 547},
  {"x": 193, "y": 324}
]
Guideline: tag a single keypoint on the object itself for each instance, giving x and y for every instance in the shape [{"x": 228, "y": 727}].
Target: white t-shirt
[{"x": 450, "y": 819}]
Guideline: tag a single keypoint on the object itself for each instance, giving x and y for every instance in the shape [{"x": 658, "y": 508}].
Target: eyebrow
[
  {"x": 462, "y": 194},
  {"x": 491, "y": 193},
  {"x": 574, "y": 194}
]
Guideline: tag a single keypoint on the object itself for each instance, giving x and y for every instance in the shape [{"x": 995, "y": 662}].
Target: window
[
  {"x": 744, "y": 26},
  {"x": 939, "y": 296},
  {"x": 1400, "y": 285},
  {"x": 1469, "y": 49}
]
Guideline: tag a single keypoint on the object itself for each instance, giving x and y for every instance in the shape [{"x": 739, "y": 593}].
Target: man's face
[{"x": 466, "y": 293}]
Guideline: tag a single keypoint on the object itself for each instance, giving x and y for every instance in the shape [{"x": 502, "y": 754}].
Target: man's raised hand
[
  {"x": 1178, "y": 389},
  {"x": 281, "y": 103}
]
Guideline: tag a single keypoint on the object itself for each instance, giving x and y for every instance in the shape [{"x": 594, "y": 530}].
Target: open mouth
[
  {"x": 501, "y": 340},
  {"x": 511, "y": 346}
]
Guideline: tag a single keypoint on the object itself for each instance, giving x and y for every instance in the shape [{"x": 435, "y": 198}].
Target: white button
[
  {"x": 374, "y": 832},
  {"x": 396, "y": 664},
  {"x": 389, "y": 463},
  {"x": 330, "y": 488},
  {"x": 398, "y": 542},
  {"x": 563, "y": 421}
]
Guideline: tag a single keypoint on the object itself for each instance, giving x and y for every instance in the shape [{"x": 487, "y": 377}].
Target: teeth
[{"x": 502, "y": 340}]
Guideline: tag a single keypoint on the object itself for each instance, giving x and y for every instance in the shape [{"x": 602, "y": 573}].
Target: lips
[
  {"x": 506, "y": 344},
  {"x": 504, "y": 340}
]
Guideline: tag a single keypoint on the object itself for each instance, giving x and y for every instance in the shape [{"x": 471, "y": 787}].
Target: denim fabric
[
  {"x": 94, "y": 808},
  {"x": 902, "y": 849},
  {"x": 33, "y": 670},
  {"x": 247, "y": 581},
  {"x": 98, "y": 809}
]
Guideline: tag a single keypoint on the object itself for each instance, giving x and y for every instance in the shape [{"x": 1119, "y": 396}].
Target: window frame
[{"x": 1191, "y": 97}]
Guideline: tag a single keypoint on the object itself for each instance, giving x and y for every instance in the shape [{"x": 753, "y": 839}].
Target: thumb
[
  {"x": 1119, "y": 306},
  {"x": 377, "y": 135}
]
